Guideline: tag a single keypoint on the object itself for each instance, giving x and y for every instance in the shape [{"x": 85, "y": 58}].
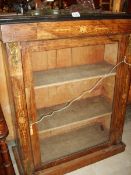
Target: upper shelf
[{"x": 65, "y": 75}]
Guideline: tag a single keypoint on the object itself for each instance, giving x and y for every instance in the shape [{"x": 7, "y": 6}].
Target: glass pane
[{"x": 74, "y": 94}]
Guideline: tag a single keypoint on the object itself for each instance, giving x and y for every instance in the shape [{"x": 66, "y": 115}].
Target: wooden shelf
[
  {"x": 62, "y": 75},
  {"x": 58, "y": 146},
  {"x": 79, "y": 114}
]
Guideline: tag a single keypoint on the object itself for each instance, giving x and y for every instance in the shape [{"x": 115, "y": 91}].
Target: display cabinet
[{"x": 69, "y": 86}]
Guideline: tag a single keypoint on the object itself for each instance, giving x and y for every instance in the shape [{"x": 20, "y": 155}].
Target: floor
[{"x": 119, "y": 164}]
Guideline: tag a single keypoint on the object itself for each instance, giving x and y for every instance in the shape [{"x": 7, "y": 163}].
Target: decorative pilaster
[{"x": 22, "y": 123}]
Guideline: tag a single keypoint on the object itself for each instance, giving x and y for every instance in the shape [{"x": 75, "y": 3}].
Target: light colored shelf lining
[
  {"x": 79, "y": 111},
  {"x": 61, "y": 75},
  {"x": 58, "y": 146}
]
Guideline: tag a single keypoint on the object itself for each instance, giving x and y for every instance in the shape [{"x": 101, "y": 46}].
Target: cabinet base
[
  {"x": 83, "y": 161},
  {"x": 17, "y": 159}
]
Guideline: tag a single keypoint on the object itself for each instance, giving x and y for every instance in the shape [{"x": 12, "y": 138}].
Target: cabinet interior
[{"x": 62, "y": 74}]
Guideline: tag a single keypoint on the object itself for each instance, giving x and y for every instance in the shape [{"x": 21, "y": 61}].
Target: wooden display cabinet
[{"x": 51, "y": 65}]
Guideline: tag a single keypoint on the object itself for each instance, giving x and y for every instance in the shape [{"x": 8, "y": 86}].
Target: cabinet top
[{"x": 16, "y": 19}]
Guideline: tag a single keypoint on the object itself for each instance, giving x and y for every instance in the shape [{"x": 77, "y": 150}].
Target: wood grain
[
  {"x": 65, "y": 29},
  {"x": 123, "y": 75},
  {"x": 66, "y": 57},
  {"x": 30, "y": 102},
  {"x": 56, "y": 44},
  {"x": 6, "y": 93},
  {"x": 19, "y": 32},
  {"x": 22, "y": 122},
  {"x": 82, "y": 28},
  {"x": 44, "y": 60}
]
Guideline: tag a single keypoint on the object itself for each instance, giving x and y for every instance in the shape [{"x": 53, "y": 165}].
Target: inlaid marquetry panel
[{"x": 64, "y": 29}]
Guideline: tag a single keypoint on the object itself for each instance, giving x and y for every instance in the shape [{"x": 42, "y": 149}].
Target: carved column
[{"x": 6, "y": 167}]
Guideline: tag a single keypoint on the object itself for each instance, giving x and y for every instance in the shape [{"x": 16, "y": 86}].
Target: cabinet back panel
[
  {"x": 67, "y": 57},
  {"x": 87, "y": 55},
  {"x": 108, "y": 87},
  {"x": 60, "y": 86},
  {"x": 81, "y": 113},
  {"x": 54, "y": 95},
  {"x": 111, "y": 52},
  {"x": 58, "y": 94}
]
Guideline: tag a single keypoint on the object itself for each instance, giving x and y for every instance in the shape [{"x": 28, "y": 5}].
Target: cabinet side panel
[
  {"x": 4, "y": 94},
  {"x": 120, "y": 92}
]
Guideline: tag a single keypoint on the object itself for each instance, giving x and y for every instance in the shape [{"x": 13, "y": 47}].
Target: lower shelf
[
  {"x": 86, "y": 123},
  {"x": 63, "y": 145},
  {"x": 80, "y": 113}
]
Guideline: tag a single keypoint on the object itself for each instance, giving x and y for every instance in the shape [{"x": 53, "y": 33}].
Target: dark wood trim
[
  {"x": 83, "y": 161},
  {"x": 75, "y": 155}
]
